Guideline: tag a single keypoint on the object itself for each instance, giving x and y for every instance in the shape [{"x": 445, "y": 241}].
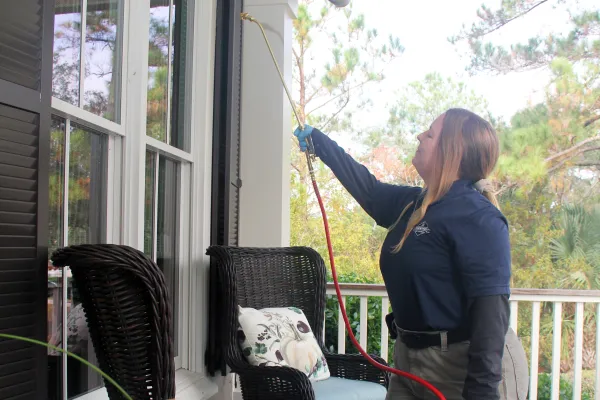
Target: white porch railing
[{"x": 558, "y": 299}]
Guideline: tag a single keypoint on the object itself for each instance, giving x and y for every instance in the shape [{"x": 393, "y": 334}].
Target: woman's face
[{"x": 428, "y": 140}]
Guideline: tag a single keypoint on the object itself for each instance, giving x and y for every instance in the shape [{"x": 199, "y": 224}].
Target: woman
[{"x": 445, "y": 262}]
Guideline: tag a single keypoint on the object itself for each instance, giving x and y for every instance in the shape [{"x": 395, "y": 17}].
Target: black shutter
[
  {"x": 226, "y": 180},
  {"x": 235, "y": 180},
  {"x": 26, "y": 32}
]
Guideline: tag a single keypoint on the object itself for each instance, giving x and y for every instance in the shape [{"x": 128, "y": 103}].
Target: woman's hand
[{"x": 302, "y": 134}]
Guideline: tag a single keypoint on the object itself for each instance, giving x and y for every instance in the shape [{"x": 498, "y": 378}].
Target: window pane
[
  {"x": 166, "y": 72},
  {"x": 86, "y": 210},
  {"x": 103, "y": 44},
  {"x": 167, "y": 228},
  {"x": 56, "y": 184},
  {"x": 179, "y": 137},
  {"x": 86, "y": 186},
  {"x": 149, "y": 204},
  {"x": 67, "y": 49},
  {"x": 158, "y": 71},
  {"x": 55, "y": 240},
  {"x": 162, "y": 210}
]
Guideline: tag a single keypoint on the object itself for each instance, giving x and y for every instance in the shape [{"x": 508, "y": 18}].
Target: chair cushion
[
  {"x": 281, "y": 337},
  {"x": 347, "y": 389}
]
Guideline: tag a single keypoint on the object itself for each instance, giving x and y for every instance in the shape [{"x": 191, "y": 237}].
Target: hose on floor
[{"x": 309, "y": 158}]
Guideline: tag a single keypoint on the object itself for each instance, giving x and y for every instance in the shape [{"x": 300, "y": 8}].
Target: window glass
[
  {"x": 55, "y": 240},
  {"x": 88, "y": 74},
  {"x": 103, "y": 59},
  {"x": 161, "y": 225},
  {"x": 67, "y": 52},
  {"x": 84, "y": 216},
  {"x": 166, "y": 72}
]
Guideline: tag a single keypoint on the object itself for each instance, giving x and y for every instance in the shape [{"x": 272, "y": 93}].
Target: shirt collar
[{"x": 458, "y": 188}]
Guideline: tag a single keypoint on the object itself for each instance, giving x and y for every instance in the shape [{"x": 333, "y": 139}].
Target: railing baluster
[
  {"x": 556, "y": 345},
  {"x": 578, "y": 351},
  {"x": 514, "y": 315},
  {"x": 535, "y": 346},
  {"x": 597, "y": 391},
  {"x": 558, "y": 297},
  {"x": 364, "y": 311},
  {"x": 385, "y": 306},
  {"x": 341, "y": 330}
]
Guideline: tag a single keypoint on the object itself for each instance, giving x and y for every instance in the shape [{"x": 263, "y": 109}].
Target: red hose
[
  {"x": 343, "y": 308},
  {"x": 246, "y": 16}
]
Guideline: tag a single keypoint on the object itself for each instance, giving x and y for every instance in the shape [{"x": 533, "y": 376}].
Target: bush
[
  {"x": 353, "y": 311},
  {"x": 565, "y": 391}
]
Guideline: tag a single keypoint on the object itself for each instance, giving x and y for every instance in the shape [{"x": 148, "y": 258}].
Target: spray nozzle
[{"x": 340, "y": 3}]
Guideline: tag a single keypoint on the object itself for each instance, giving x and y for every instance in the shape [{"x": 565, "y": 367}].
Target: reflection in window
[
  {"x": 149, "y": 206},
  {"x": 67, "y": 51},
  {"x": 86, "y": 185},
  {"x": 90, "y": 79},
  {"x": 103, "y": 59},
  {"x": 57, "y": 183},
  {"x": 158, "y": 72},
  {"x": 166, "y": 72},
  {"x": 55, "y": 240},
  {"x": 161, "y": 220},
  {"x": 84, "y": 216}
]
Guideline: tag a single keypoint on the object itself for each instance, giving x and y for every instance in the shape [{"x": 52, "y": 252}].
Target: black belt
[{"x": 425, "y": 340}]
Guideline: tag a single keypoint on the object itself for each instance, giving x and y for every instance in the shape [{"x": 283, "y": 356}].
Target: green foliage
[
  {"x": 522, "y": 158},
  {"x": 374, "y": 316},
  {"x": 418, "y": 105},
  {"x": 329, "y": 89},
  {"x": 354, "y": 236},
  {"x": 577, "y": 250},
  {"x": 565, "y": 389},
  {"x": 580, "y": 43},
  {"x": 547, "y": 176},
  {"x": 423, "y": 101}
]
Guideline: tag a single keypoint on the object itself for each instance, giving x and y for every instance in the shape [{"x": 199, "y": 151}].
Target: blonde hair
[{"x": 468, "y": 147}]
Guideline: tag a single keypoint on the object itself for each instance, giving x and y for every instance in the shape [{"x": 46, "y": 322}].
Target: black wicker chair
[
  {"x": 280, "y": 277},
  {"x": 128, "y": 312}
]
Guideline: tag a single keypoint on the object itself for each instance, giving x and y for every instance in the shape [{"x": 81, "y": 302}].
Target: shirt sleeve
[
  {"x": 382, "y": 201},
  {"x": 488, "y": 325},
  {"x": 482, "y": 251}
]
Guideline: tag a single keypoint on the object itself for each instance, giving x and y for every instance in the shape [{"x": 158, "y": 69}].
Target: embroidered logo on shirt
[{"x": 422, "y": 229}]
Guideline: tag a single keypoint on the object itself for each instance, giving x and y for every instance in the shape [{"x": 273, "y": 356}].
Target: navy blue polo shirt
[{"x": 460, "y": 249}]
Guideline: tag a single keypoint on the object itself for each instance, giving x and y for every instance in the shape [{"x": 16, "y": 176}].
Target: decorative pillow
[{"x": 281, "y": 337}]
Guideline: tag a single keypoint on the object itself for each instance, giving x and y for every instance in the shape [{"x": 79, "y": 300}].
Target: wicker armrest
[
  {"x": 266, "y": 383},
  {"x": 356, "y": 367}
]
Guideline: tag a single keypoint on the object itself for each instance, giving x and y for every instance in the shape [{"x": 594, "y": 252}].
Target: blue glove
[{"x": 302, "y": 134}]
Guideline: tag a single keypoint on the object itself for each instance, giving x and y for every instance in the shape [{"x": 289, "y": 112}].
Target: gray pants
[{"x": 447, "y": 370}]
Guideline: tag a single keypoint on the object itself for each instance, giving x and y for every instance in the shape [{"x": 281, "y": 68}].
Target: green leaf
[
  {"x": 260, "y": 348},
  {"x": 75, "y": 356}
]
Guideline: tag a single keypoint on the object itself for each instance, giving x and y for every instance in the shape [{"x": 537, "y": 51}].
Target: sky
[{"x": 423, "y": 28}]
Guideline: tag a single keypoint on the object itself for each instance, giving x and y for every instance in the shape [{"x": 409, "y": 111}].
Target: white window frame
[{"x": 127, "y": 145}]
